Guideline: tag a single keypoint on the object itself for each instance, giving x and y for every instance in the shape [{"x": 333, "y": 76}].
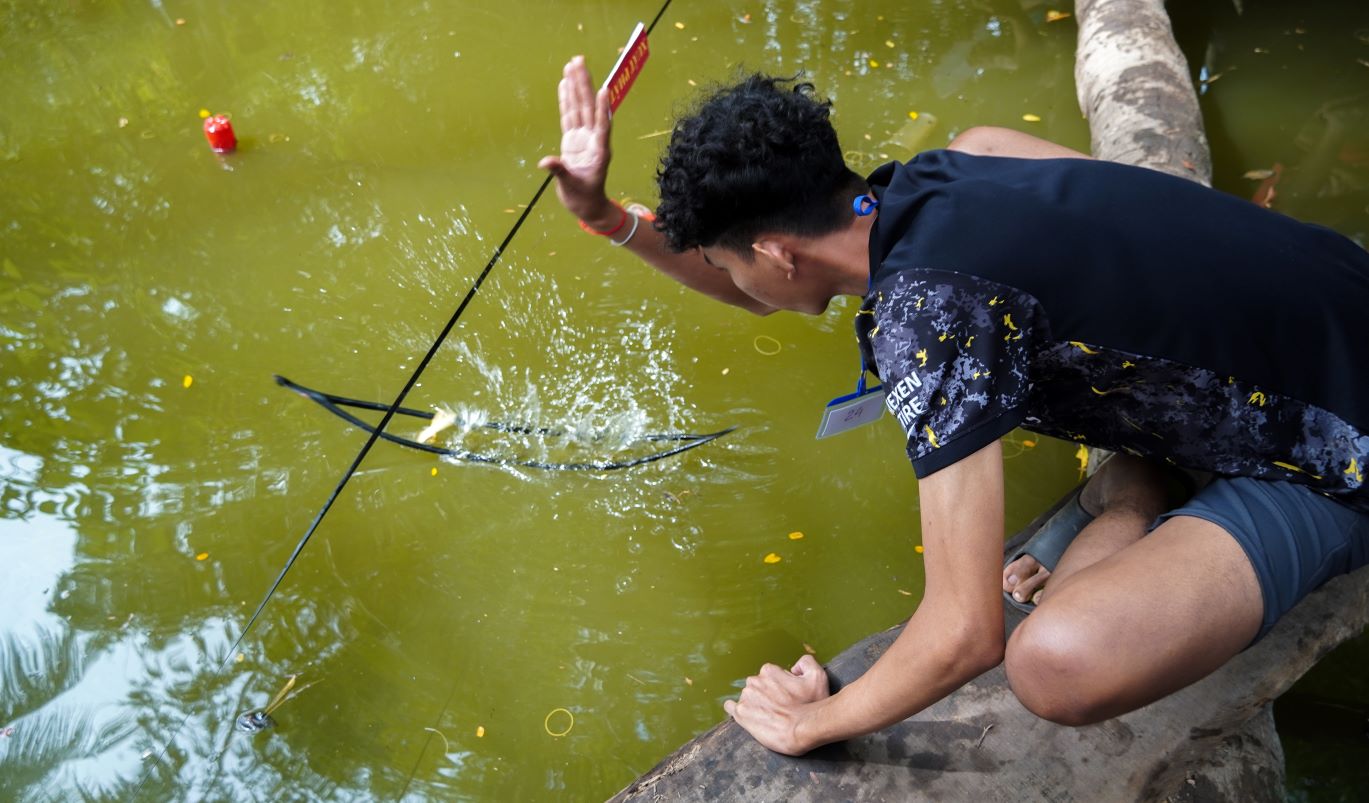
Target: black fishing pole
[{"x": 375, "y": 434}]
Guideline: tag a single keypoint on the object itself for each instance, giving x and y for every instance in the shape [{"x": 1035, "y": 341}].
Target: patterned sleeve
[{"x": 953, "y": 351}]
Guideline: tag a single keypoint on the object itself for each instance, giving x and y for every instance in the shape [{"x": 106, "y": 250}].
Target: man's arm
[
  {"x": 581, "y": 171},
  {"x": 955, "y": 635},
  {"x": 991, "y": 141}
]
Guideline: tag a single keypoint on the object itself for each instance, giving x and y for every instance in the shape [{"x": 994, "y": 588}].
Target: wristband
[
  {"x": 632, "y": 231},
  {"x": 621, "y": 223}
]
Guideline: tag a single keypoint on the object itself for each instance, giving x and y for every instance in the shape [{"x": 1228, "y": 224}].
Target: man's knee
[{"x": 1055, "y": 670}]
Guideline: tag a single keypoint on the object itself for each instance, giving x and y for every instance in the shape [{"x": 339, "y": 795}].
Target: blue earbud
[{"x": 864, "y": 205}]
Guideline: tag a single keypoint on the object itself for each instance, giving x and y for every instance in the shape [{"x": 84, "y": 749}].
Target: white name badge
[{"x": 845, "y": 413}]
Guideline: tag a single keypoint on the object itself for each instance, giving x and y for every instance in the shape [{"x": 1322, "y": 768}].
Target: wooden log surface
[{"x": 1134, "y": 88}]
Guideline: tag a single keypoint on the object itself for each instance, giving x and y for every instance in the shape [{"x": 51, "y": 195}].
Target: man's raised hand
[{"x": 582, "y": 166}]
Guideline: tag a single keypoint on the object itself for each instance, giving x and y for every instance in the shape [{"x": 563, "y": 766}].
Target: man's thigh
[{"x": 1149, "y": 620}]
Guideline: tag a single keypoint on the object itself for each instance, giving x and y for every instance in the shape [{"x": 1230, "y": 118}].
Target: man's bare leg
[
  {"x": 1148, "y": 620},
  {"x": 1125, "y": 497}
]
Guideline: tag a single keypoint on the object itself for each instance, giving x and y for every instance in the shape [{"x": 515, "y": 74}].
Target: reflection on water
[{"x": 153, "y": 479}]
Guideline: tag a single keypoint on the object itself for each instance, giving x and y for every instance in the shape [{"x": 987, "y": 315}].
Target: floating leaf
[
  {"x": 1031, "y": 118},
  {"x": 919, "y": 549},
  {"x": 1055, "y": 16},
  {"x": 874, "y": 64},
  {"x": 1029, "y": 444},
  {"x": 479, "y": 731},
  {"x": 689, "y": 681},
  {"x": 904, "y": 593},
  {"x": 679, "y": 26},
  {"x": 794, "y": 536},
  {"x": 772, "y": 558},
  {"x": 1258, "y": 175},
  {"x": 808, "y": 648},
  {"x": 202, "y": 556},
  {"x": 187, "y": 381},
  {"x": 888, "y": 43}
]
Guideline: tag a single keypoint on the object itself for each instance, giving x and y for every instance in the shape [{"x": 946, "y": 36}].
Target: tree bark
[{"x": 1135, "y": 90}]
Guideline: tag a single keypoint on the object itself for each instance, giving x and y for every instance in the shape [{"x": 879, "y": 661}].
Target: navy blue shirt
[{"x": 1119, "y": 307}]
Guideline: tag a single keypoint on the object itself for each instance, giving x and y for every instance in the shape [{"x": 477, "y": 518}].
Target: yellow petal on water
[
  {"x": 1029, "y": 444},
  {"x": 180, "y": 20},
  {"x": 808, "y": 648},
  {"x": 725, "y": 370},
  {"x": 479, "y": 731},
  {"x": 919, "y": 549},
  {"x": 1258, "y": 175},
  {"x": 772, "y": 558},
  {"x": 874, "y": 64},
  {"x": 187, "y": 381},
  {"x": 795, "y": 536},
  {"x": 1032, "y": 118},
  {"x": 1083, "y": 457},
  {"x": 204, "y": 114},
  {"x": 202, "y": 556},
  {"x": 679, "y": 26},
  {"x": 904, "y": 593},
  {"x": 689, "y": 681},
  {"x": 1056, "y": 16},
  {"x": 434, "y": 471},
  {"x": 888, "y": 43},
  {"x": 240, "y": 658},
  {"x": 123, "y": 122},
  {"x": 913, "y": 115}
]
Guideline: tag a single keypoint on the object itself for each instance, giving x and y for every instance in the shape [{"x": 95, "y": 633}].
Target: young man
[{"x": 1011, "y": 282}]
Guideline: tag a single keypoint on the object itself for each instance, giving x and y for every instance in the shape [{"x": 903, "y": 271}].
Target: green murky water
[{"x": 384, "y": 151}]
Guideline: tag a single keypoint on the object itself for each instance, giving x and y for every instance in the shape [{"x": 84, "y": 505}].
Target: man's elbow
[
  {"x": 975, "y": 648},
  {"x": 976, "y": 656}
]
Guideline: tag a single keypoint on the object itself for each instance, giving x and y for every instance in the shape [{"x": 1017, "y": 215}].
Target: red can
[{"x": 220, "y": 134}]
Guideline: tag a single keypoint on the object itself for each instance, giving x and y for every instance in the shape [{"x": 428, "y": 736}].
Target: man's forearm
[
  {"x": 956, "y": 633},
  {"x": 687, "y": 268},
  {"x": 927, "y": 661}
]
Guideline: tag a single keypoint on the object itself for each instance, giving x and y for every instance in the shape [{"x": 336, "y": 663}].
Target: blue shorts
[{"x": 1296, "y": 538}]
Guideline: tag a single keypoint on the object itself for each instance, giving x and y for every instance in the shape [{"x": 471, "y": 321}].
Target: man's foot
[{"x": 1125, "y": 486}]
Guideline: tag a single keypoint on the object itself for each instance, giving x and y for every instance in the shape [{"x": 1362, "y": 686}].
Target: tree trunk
[{"x": 1135, "y": 90}]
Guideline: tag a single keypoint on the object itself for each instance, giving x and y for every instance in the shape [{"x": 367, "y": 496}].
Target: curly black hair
[{"x": 759, "y": 156}]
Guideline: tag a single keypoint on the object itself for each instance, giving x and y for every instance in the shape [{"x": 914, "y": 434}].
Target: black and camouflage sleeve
[{"x": 953, "y": 351}]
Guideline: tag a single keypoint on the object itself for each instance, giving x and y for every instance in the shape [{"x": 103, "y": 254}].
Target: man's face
[{"x": 772, "y": 277}]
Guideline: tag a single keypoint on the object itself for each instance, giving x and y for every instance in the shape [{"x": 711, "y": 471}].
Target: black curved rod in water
[{"x": 334, "y": 405}]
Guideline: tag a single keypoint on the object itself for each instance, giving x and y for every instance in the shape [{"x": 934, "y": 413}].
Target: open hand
[
  {"x": 775, "y": 702},
  {"x": 582, "y": 166}
]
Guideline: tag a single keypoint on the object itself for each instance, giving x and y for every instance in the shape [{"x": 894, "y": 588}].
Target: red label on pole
[{"x": 629, "y": 65}]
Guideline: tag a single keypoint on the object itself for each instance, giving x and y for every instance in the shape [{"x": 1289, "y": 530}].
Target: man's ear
[{"x": 775, "y": 254}]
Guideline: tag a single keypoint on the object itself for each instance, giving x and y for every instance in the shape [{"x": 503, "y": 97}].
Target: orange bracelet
[{"x": 610, "y": 232}]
